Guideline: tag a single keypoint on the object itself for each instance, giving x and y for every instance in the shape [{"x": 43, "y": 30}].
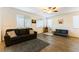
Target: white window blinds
[
  {"x": 23, "y": 22},
  {"x": 20, "y": 21},
  {"x": 28, "y": 23},
  {"x": 39, "y": 23}
]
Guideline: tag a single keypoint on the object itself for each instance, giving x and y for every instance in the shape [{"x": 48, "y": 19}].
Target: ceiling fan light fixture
[{"x": 50, "y": 9}]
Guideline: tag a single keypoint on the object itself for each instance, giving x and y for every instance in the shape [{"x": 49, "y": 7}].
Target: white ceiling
[{"x": 39, "y": 11}]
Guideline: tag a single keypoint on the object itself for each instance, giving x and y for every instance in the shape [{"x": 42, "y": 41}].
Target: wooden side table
[{"x": 45, "y": 29}]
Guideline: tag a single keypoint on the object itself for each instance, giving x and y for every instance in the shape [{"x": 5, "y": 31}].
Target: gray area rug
[{"x": 34, "y": 45}]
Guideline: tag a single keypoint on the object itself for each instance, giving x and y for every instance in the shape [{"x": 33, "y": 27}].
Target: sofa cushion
[
  {"x": 22, "y": 31},
  {"x": 20, "y": 36},
  {"x": 17, "y": 32},
  {"x": 64, "y": 32},
  {"x": 11, "y": 34}
]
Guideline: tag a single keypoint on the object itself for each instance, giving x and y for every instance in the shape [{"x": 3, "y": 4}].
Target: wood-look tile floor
[
  {"x": 60, "y": 44},
  {"x": 56, "y": 44}
]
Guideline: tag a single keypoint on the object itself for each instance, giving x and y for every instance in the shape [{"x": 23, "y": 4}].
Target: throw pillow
[
  {"x": 31, "y": 32},
  {"x": 11, "y": 34}
]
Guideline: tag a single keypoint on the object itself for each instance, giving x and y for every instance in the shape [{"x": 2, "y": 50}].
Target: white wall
[
  {"x": 67, "y": 24},
  {"x": 9, "y": 18},
  {"x": 0, "y": 24}
]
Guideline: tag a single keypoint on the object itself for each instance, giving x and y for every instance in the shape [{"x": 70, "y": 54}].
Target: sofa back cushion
[{"x": 20, "y": 31}]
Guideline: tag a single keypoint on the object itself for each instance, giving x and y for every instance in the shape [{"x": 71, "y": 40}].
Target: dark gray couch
[
  {"x": 61, "y": 32},
  {"x": 22, "y": 35}
]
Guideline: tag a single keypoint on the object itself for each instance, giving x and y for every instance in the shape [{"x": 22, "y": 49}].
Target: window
[
  {"x": 23, "y": 22},
  {"x": 44, "y": 23},
  {"x": 75, "y": 21},
  {"x": 40, "y": 23},
  {"x": 28, "y": 23},
  {"x": 49, "y": 23},
  {"x": 20, "y": 21}
]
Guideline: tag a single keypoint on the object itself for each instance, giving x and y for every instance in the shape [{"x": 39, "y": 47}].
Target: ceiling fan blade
[
  {"x": 54, "y": 7},
  {"x": 55, "y": 11}
]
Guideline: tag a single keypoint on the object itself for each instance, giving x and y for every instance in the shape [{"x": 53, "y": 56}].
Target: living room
[{"x": 44, "y": 23}]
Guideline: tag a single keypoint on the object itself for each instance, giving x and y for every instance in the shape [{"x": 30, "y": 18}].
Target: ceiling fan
[{"x": 50, "y": 9}]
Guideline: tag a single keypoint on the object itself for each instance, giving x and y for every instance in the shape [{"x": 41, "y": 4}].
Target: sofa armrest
[{"x": 6, "y": 37}]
